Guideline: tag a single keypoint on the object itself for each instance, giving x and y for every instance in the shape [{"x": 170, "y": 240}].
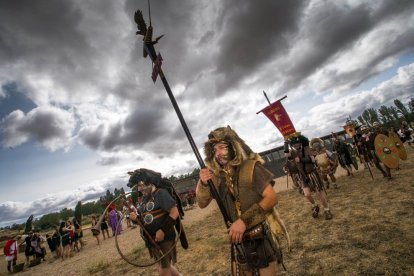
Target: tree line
[{"x": 389, "y": 116}]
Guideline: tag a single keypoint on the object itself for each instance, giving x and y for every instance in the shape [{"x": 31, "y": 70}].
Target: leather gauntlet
[{"x": 253, "y": 216}]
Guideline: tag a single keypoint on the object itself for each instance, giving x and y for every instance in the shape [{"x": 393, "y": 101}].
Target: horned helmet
[{"x": 238, "y": 150}]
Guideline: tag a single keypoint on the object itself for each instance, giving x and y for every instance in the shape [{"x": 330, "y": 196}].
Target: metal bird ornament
[{"x": 144, "y": 30}]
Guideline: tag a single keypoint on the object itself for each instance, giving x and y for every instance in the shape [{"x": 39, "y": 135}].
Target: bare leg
[
  {"x": 333, "y": 179},
  {"x": 323, "y": 199},
  {"x": 308, "y": 196},
  {"x": 268, "y": 271}
]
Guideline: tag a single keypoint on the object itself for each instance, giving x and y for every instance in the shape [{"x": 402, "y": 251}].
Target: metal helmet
[
  {"x": 364, "y": 127},
  {"x": 376, "y": 124}
]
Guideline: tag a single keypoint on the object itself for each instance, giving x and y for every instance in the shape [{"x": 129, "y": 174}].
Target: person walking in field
[
  {"x": 95, "y": 234},
  {"x": 246, "y": 188},
  {"x": 11, "y": 251}
]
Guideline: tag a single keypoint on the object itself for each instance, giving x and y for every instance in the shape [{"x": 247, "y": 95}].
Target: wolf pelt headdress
[
  {"x": 239, "y": 148},
  {"x": 316, "y": 141},
  {"x": 148, "y": 177}
]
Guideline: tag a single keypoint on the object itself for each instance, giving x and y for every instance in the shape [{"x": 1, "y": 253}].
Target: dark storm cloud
[
  {"x": 46, "y": 37},
  {"x": 43, "y": 126},
  {"x": 144, "y": 125},
  {"x": 332, "y": 28},
  {"x": 253, "y": 32},
  {"x": 25, "y": 36},
  {"x": 50, "y": 126}
]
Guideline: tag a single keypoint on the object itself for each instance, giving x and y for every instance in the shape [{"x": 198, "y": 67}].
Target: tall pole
[{"x": 149, "y": 48}]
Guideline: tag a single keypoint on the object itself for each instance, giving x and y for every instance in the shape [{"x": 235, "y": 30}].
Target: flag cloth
[{"x": 279, "y": 117}]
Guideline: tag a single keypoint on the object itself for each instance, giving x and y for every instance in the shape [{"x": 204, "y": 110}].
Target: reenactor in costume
[
  {"x": 300, "y": 157},
  {"x": 367, "y": 144},
  {"x": 344, "y": 156},
  {"x": 326, "y": 161},
  {"x": 246, "y": 190},
  {"x": 159, "y": 216},
  {"x": 395, "y": 138},
  {"x": 405, "y": 133}
]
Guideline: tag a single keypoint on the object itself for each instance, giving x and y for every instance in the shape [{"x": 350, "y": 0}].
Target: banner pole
[{"x": 284, "y": 97}]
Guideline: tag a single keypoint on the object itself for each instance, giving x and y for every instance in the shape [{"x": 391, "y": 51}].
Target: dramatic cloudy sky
[{"x": 78, "y": 108}]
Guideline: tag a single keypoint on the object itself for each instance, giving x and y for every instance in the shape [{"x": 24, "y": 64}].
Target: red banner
[{"x": 279, "y": 117}]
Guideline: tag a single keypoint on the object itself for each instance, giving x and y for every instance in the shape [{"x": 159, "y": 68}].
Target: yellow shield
[
  {"x": 402, "y": 153},
  {"x": 386, "y": 151}
]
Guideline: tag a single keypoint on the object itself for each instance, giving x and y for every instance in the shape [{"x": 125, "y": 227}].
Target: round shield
[
  {"x": 386, "y": 151},
  {"x": 402, "y": 153}
]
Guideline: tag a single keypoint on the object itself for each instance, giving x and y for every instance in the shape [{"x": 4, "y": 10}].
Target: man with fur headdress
[{"x": 246, "y": 190}]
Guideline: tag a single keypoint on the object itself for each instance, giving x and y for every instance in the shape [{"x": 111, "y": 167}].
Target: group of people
[
  {"x": 245, "y": 189},
  {"x": 69, "y": 239},
  {"x": 65, "y": 239},
  {"x": 111, "y": 219},
  {"x": 236, "y": 178},
  {"x": 309, "y": 163}
]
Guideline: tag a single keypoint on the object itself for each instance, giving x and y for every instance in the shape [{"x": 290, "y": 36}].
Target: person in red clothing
[{"x": 11, "y": 250}]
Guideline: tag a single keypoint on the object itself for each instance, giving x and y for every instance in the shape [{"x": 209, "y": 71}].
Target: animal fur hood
[{"x": 228, "y": 135}]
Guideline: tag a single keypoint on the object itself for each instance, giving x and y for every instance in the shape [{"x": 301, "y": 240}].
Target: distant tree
[
  {"x": 48, "y": 221},
  {"x": 122, "y": 191},
  {"x": 361, "y": 120},
  {"x": 109, "y": 196},
  {"x": 66, "y": 213},
  {"x": 411, "y": 106},
  {"x": 402, "y": 110},
  {"x": 367, "y": 118},
  {"x": 29, "y": 225},
  {"x": 172, "y": 178},
  {"x": 385, "y": 115},
  {"x": 116, "y": 192},
  {"x": 394, "y": 111},
  {"x": 195, "y": 172},
  {"x": 93, "y": 207},
  {"x": 78, "y": 211},
  {"x": 373, "y": 114}
]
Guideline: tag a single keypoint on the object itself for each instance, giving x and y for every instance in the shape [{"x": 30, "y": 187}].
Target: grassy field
[{"x": 372, "y": 233}]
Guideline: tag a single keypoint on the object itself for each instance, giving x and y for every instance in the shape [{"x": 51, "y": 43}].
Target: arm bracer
[{"x": 253, "y": 216}]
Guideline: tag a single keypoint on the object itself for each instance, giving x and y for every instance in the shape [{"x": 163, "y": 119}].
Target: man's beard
[
  {"x": 223, "y": 159},
  {"x": 146, "y": 190}
]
